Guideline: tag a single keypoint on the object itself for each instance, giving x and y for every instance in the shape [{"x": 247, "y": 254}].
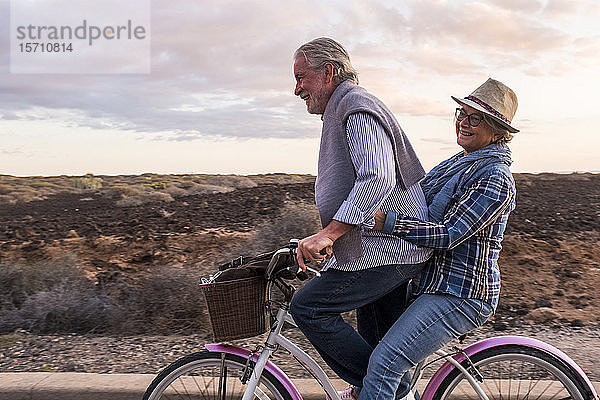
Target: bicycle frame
[
  {"x": 276, "y": 339},
  {"x": 453, "y": 360}
]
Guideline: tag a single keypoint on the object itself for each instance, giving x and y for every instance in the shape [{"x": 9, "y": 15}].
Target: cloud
[
  {"x": 223, "y": 69},
  {"x": 214, "y": 73},
  {"x": 462, "y": 38},
  {"x": 531, "y": 6},
  {"x": 11, "y": 152}
]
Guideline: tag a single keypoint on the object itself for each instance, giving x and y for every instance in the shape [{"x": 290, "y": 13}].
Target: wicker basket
[{"x": 237, "y": 308}]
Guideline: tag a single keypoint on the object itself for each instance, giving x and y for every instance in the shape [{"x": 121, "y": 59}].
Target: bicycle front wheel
[
  {"x": 210, "y": 375},
  {"x": 516, "y": 372}
]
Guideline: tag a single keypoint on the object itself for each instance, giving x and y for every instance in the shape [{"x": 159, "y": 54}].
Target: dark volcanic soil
[
  {"x": 96, "y": 214},
  {"x": 550, "y": 261}
]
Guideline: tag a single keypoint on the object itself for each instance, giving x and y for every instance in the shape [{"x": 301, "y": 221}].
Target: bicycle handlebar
[
  {"x": 285, "y": 259},
  {"x": 279, "y": 263}
]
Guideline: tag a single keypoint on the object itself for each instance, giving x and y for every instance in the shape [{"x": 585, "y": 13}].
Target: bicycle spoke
[
  {"x": 524, "y": 374},
  {"x": 520, "y": 380},
  {"x": 211, "y": 376},
  {"x": 509, "y": 379},
  {"x": 464, "y": 392},
  {"x": 487, "y": 389},
  {"x": 202, "y": 393},
  {"x": 185, "y": 389}
]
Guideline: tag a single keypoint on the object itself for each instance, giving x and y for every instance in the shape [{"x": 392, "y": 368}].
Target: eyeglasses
[{"x": 473, "y": 119}]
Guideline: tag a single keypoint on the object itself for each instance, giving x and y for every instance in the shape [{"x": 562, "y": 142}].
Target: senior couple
[{"x": 386, "y": 222}]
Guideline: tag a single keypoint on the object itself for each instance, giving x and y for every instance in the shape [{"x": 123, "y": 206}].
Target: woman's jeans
[
  {"x": 431, "y": 321},
  {"x": 375, "y": 293}
]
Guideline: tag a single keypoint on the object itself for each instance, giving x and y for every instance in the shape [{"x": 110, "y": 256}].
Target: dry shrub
[
  {"x": 54, "y": 297},
  {"x": 175, "y": 191},
  {"x": 45, "y": 184},
  {"x": 7, "y": 188},
  {"x": 235, "y": 181},
  {"x": 87, "y": 182},
  {"x": 150, "y": 197},
  {"x": 167, "y": 301},
  {"x": 129, "y": 190},
  {"x": 282, "y": 179},
  {"x": 58, "y": 298},
  {"x": 295, "y": 220},
  {"x": 67, "y": 308},
  {"x": 208, "y": 189},
  {"x": 185, "y": 184},
  {"x": 6, "y": 199},
  {"x": 158, "y": 185}
]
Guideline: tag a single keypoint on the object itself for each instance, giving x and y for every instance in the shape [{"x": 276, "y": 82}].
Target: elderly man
[{"x": 365, "y": 163}]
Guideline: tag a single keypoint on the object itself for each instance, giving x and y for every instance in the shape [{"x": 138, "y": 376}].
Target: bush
[
  {"x": 55, "y": 297},
  {"x": 67, "y": 308},
  {"x": 138, "y": 200},
  {"x": 58, "y": 298},
  {"x": 175, "y": 191},
  {"x": 199, "y": 189},
  {"x": 167, "y": 301},
  {"x": 295, "y": 220},
  {"x": 158, "y": 185},
  {"x": 87, "y": 182}
]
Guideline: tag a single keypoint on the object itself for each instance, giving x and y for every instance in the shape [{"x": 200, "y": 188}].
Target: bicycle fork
[{"x": 259, "y": 366}]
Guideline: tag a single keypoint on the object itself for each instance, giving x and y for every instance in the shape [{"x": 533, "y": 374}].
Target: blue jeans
[
  {"x": 431, "y": 321},
  {"x": 318, "y": 306}
]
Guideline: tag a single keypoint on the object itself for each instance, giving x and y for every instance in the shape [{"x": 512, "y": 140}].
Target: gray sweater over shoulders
[{"x": 336, "y": 174}]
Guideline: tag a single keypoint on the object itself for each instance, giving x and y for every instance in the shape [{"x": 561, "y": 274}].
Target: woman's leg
[{"x": 427, "y": 324}]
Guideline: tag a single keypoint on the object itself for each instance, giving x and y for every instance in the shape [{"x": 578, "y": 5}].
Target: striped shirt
[
  {"x": 376, "y": 187},
  {"x": 467, "y": 242}
]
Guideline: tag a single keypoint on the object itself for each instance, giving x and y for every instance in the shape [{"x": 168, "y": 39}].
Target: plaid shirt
[{"x": 466, "y": 243}]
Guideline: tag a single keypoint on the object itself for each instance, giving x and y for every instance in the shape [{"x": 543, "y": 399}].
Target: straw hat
[{"x": 495, "y": 99}]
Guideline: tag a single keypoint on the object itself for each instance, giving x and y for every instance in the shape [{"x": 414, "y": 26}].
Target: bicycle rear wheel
[
  {"x": 516, "y": 372},
  {"x": 210, "y": 375}
]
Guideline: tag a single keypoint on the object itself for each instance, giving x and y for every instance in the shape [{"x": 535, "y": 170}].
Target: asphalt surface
[{"x": 85, "y": 386}]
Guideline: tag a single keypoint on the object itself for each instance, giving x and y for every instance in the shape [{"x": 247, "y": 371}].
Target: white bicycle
[{"x": 499, "y": 368}]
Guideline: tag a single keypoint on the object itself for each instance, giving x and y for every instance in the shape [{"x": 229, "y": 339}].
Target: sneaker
[{"x": 348, "y": 394}]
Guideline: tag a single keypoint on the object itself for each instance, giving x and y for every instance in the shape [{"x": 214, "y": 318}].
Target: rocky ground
[
  {"x": 550, "y": 262},
  {"x": 149, "y": 354}
]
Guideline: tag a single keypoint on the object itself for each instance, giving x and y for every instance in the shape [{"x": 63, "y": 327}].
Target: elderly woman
[{"x": 469, "y": 197}]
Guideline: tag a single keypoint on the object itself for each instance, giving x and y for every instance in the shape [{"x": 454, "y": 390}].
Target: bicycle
[{"x": 504, "y": 367}]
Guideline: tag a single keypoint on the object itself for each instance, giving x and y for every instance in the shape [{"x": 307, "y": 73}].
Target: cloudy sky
[{"x": 219, "y": 98}]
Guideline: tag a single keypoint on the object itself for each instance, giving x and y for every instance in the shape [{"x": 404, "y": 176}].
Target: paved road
[{"x": 81, "y": 386}]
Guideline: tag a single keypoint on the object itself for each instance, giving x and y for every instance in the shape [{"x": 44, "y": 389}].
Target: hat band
[{"x": 488, "y": 108}]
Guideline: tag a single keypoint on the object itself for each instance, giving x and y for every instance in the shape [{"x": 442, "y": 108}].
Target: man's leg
[
  {"x": 318, "y": 306},
  {"x": 427, "y": 324},
  {"x": 375, "y": 319}
]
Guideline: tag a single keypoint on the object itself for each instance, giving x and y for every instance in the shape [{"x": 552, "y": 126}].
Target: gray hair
[
  {"x": 321, "y": 51},
  {"x": 497, "y": 129}
]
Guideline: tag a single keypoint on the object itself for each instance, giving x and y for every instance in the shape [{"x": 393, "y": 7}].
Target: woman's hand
[{"x": 379, "y": 220}]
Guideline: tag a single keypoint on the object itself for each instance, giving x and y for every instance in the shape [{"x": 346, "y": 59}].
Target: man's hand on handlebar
[{"x": 317, "y": 247}]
